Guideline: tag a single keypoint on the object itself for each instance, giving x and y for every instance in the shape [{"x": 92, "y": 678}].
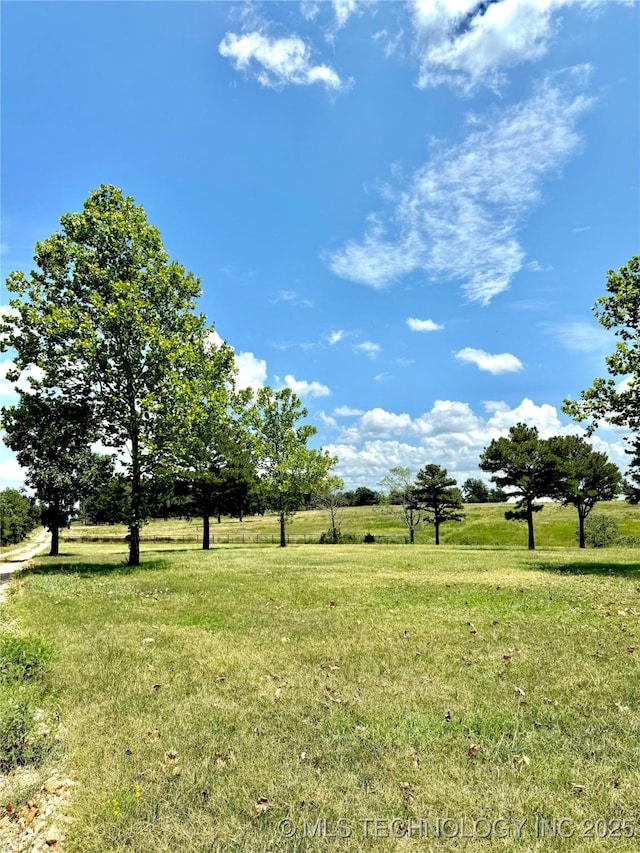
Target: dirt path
[{"x": 13, "y": 560}]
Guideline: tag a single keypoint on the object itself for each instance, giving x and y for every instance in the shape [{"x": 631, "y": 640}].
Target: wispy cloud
[
  {"x": 468, "y": 43},
  {"x": 422, "y": 325},
  {"x": 336, "y": 336},
  {"x": 368, "y": 348},
  {"x": 277, "y": 62},
  {"x": 457, "y": 219},
  {"x": 306, "y": 389},
  {"x": 579, "y": 335},
  {"x": 346, "y": 412},
  {"x": 497, "y": 363},
  {"x": 294, "y": 298}
]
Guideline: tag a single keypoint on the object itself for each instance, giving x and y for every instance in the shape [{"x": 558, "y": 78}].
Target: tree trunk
[
  {"x": 581, "y": 528},
  {"x": 55, "y": 541},
  {"x": 134, "y": 544},
  {"x": 411, "y": 534},
  {"x": 134, "y": 525},
  {"x": 55, "y": 529},
  {"x": 437, "y": 526},
  {"x": 531, "y": 544},
  {"x": 205, "y": 532},
  {"x": 283, "y": 538}
]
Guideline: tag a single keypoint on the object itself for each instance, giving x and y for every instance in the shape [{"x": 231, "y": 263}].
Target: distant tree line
[{"x": 524, "y": 467}]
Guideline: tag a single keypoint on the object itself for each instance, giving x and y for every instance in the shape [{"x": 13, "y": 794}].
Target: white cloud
[
  {"x": 450, "y": 434},
  {"x": 309, "y": 10},
  {"x": 277, "y": 62},
  {"x": 328, "y": 421},
  {"x": 457, "y": 218},
  {"x": 12, "y": 475},
  {"x": 503, "y": 362},
  {"x": 368, "y": 348},
  {"x": 379, "y": 422},
  {"x": 294, "y": 298},
  {"x": 9, "y": 388},
  {"x": 343, "y": 9},
  {"x": 580, "y": 335},
  {"x": 336, "y": 336},
  {"x": 347, "y": 412},
  {"x": 252, "y": 371},
  {"x": 468, "y": 43},
  {"x": 422, "y": 325},
  {"x": 306, "y": 389}
]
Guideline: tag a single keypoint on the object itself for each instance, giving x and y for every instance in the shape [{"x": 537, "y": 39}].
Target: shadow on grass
[
  {"x": 90, "y": 569},
  {"x": 604, "y": 567}
]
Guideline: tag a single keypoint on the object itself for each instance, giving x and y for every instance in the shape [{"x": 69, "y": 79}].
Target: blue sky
[{"x": 403, "y": 211}]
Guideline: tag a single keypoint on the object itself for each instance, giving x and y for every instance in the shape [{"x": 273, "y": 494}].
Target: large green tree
[
  {"x": 109, "y": 319},
  {"x": 522, "y": 465},
  {"x": 438, "y": 496},
  {"x": 214, "y": 459},
  {"x": 289, "y": 472},
  {"x": 51, "y": 437},
  {"x": 608, "y": 400},
  {"x": 399, "y": 487},
  {"x": 584, "y": 476}
]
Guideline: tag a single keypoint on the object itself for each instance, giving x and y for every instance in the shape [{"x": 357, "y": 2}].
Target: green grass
[
  {"x": 441, "y": 683},
  {"x": 484, "y": 525}
]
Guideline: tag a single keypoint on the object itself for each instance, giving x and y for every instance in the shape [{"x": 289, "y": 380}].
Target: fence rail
[{"x": 242, "y": 539}]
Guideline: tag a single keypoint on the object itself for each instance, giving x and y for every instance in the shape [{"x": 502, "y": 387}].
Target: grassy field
[
  {"x": 484, "y": 525},
  {"x": 264, "y": 699}
]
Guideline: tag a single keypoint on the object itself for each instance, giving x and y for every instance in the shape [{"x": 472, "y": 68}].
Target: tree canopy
[
  {"x": 584, "y": 476},
  {"x": 108, "y": 319},
  {"x": 289, "y": 472},
  {"x": 607, "y": 400},
  {"x": 437, "y": 496},
  {"x": 522, "y": 466}
]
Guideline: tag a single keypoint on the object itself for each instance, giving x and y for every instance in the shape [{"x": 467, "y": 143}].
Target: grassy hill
[{"x": 484, "y": 525}]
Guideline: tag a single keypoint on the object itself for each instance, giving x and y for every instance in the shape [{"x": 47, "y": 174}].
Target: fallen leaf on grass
[
  {"x": 330, "y": 698},
  {"x": 171, "y": 755},
  {"x": 221, "y": 759},
  {"x": 473, "y": 750},
  {"x": 262, "y": 805},
  {"x": 521, "y": 760},
  {"x": 152, "y": 736},
  {"x": 407, "y": 793}
]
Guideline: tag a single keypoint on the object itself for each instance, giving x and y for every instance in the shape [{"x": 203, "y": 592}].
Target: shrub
[
  {"x": 600, "y": 531},
  {"x": 628, "y": 541},
  {"x": 22, "y": 658},
  {"x": 332, "y": 536},
  {"x": 21, "y": 741},
  {"x": 369, "y": 538}
]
